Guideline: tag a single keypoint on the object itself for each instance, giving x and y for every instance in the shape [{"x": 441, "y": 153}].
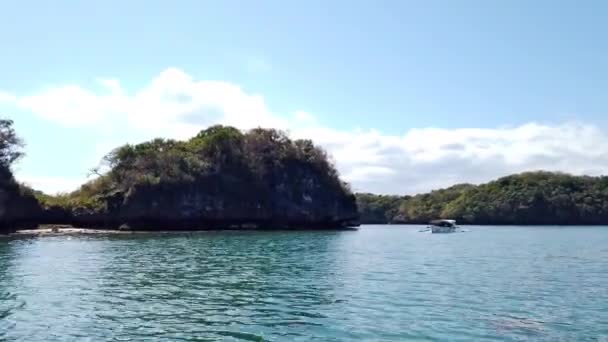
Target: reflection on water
[{"x": 380, "y": 283}]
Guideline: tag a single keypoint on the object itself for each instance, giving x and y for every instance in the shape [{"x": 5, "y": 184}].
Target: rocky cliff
[
  {"x": 211, "y": 203},
  {"x": 18, "y": 207},
  {"x": 222, "y": 178}
]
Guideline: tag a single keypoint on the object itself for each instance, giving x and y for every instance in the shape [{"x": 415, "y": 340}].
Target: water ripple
[{"x": 378, "y": 284}]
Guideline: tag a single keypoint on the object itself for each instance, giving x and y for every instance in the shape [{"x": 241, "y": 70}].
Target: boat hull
[{"x": 442, "y": 230}]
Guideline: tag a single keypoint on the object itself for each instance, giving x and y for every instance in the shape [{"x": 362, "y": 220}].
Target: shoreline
[{"x": 64, "y": 230}]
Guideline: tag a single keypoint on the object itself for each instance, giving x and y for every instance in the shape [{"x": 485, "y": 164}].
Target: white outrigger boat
[{"x": 443, "y": 226}]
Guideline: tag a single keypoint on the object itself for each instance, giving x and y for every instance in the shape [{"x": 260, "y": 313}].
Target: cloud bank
[{"x": 175, "y": 105}]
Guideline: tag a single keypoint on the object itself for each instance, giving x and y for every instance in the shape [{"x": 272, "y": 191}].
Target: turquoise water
[{"x": 381, "y": 283}]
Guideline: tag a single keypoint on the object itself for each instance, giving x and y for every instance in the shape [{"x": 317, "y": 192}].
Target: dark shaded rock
[
  {"x": 19, "y": 209},
  {"x": 211, "y": 203},
  {"x": 56, "y": 215}
]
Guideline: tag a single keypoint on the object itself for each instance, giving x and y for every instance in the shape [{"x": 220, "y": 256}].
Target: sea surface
[{"x": 380, "y": 283}]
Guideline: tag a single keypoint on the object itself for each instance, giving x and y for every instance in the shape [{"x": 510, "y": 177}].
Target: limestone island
[{"x": 222, "y": 178}]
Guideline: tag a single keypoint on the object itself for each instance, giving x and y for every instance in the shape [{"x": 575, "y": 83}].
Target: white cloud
[
  {"x": 173, "y": 104},
  {"x": 304, "y": 118},
  {"x": 368, "y": 173},
  {"x": 71, "y": 105},
  {"x": 425, "y": 159},
  {"x": 52, "y": 185},
  {"x": 176, "y": 105},
  {"x": 7, "y": 97},
  {"x": 113, "y": 85}
]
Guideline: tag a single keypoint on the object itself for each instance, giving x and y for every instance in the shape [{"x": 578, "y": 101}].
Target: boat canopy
[{"x": 443, "y": 223}]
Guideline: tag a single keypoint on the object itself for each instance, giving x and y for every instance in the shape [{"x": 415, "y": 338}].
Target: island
[
  {"x": 529, "y": 198},
  {"x": 222, "y": 178}
]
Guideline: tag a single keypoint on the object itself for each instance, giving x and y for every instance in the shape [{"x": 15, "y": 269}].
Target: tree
[{"x": 10, "y": 144}]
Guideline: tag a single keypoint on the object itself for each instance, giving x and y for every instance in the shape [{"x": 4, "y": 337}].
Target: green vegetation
[
  {"x": 220, "y": 175},
  {"x": 10, "y": 144},
  {"x": 535, "y": 198},
  {"x": 527, "y": 198},
  {"x": 379, "y": 209},
  {"x": 17, "y": 203},
  {"x": 426, "y": 207}
]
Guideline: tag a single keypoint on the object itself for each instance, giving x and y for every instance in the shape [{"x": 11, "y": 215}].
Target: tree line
[{"x": 528, "y": 198}]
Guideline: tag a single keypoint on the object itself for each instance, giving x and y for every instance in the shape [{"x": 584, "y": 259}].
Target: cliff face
[
  {"x": 196, "y": 206},
  {"x": 18, "y": 208},
  {"x": 219, "y": 179}
]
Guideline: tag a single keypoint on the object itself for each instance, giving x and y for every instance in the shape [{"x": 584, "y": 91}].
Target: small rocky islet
[{"x": 222, "y": 178}]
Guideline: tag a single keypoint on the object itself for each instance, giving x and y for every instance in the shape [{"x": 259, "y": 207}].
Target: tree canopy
[
  {"x": 379, "y": 208},
  {"x": 217, "y": 149},
  {"x": 10, "y": 144},
  {"x": 526, "y": 198}
]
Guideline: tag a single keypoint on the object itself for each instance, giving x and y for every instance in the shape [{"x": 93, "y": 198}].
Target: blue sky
[{"x": 391, "y": 88}]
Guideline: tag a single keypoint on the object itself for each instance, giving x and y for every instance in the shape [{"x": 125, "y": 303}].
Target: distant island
[
  {"x": 531, "y": 198},
  {"x": 220, "y": 179}
]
